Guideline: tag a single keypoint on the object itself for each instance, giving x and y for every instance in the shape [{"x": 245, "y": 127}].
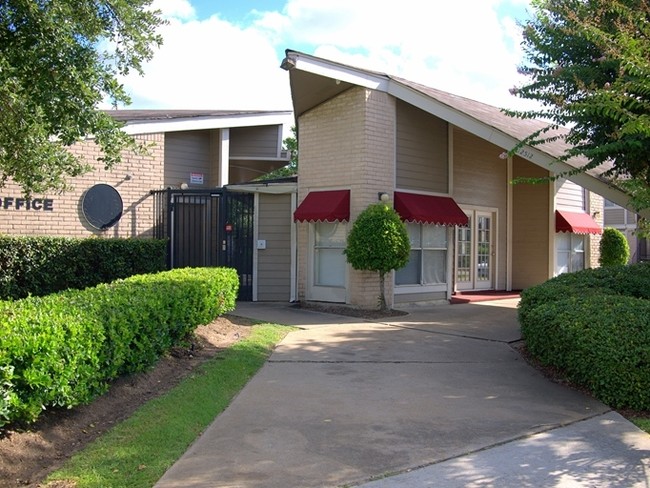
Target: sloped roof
[
  {"x": 519, "y": 129},
  {"x": 315, "y": 80},
  {"x": 163, "y": 120}
]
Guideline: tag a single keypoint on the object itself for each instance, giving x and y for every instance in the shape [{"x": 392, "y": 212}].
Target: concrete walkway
[{"x": 436, "y": 398}]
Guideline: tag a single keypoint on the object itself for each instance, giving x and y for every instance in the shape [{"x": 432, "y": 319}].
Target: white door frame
[{"x": 474, "y": 284}]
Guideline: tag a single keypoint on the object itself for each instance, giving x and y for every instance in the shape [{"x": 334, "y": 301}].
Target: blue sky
[{"x": 225, "y": 54}]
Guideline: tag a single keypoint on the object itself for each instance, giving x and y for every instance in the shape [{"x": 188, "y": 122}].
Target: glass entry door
[{"x": 475, "y": 252}]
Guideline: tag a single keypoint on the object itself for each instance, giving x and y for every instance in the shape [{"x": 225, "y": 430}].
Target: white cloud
[
  {"x": 175, "y": 9},
  {"x": 463, "y": 47},
  {"x": 212, "y": 64}
]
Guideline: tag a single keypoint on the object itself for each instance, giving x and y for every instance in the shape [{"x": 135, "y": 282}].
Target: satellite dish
[{"x": 102, "y": 206}]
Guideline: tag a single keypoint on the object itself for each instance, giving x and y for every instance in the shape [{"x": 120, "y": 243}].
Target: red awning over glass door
[{"x": 429, "y": 209}]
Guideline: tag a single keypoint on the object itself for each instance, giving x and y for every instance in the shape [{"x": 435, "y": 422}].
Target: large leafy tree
[
  {"x": 378, "y": 242},
  {"x": 588, "y": 66},
  {"x": 58, "y": 60}
]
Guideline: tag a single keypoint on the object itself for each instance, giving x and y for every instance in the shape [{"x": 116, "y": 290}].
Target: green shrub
[
  {"x": 63, "y": 349},
  {"x": 43, "y": 265},
  {"x": 595, "y": 326},
  {"x": 614, "y": 248},
  {"x": 378, "y": 242}
]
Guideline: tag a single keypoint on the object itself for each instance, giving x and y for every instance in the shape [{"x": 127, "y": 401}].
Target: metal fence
[{"x": 208, "y": 228}]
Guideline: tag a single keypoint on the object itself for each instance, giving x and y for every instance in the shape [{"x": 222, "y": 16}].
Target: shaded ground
[{"x": 28, "y": 455}]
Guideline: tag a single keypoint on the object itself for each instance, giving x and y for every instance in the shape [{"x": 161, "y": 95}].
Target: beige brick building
[
  {"x": 194, "y": 156},
  {"x": 442, "y": 162}
]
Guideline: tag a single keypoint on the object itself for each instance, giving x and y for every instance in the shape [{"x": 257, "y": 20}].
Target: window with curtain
[
  {"x": 428, "y": 261},
  {"x": 329, "y": 260},
  {"x": 570, "y": 253}
]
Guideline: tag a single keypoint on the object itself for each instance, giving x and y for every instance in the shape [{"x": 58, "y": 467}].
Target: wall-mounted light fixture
[
  {"x": 383, "y": 197},
  {"x": 184, "y": 186},
  {"x": 595, "y": 214}
]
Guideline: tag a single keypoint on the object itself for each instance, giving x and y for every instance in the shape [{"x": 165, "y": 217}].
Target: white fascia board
[
  {"x": 506, "y": 142},
  {"x": 272, "y": 188},
  {"x": 337, "y": 72},
  {"x": 175, "y": 125}
]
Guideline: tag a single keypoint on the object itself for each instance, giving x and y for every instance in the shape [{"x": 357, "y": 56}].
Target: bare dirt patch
[{"x": 29, "y": 454}]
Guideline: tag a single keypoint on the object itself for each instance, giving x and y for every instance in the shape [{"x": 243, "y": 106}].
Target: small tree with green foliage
[
  {"x": 614, "y": 249},
  {"x": 378, "y": 242}
]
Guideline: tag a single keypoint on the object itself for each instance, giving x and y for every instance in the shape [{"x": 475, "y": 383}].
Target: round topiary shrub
[
  {"x": 614, "y": 249},
  {"x": 378, "y": 242}
]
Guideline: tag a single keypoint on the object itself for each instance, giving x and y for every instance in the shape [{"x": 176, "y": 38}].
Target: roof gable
[{"x": 485, "y": 121}]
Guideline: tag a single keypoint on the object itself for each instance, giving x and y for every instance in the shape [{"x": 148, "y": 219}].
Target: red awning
[
  {"x": 427, "y": 209},
  {"x": 324, "y": 206},
  {"x": 576, "y": 222}
]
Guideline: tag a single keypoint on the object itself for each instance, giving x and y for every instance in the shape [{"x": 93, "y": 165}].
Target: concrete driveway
[{"x": 438, "y": 397}]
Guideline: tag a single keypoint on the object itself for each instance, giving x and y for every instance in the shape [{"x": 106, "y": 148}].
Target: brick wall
[
  {"x": 63, "y": 216},
  {"x": 347, "y": 143}
]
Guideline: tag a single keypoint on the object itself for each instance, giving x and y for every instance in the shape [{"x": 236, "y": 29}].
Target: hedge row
[
  {"x": 63, "y": 349},
  {"x": 43, "y": 265},
  {"x": 594, "y": 325}
]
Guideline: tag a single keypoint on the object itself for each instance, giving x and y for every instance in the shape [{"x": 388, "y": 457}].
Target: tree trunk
[{"x": 382, "y": 297}]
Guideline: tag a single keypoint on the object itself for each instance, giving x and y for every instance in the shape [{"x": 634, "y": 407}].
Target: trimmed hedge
[
  {"x": 594, "y": 325},
  {"x": 62, "y": 350},
  {"x": 43, "y": 265}
]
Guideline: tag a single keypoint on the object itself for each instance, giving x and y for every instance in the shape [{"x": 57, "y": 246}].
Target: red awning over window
[
  {"x": 428, "y": 209},
  {"x": 576, "y": 222},
  {"x": 324, "y": 206}
]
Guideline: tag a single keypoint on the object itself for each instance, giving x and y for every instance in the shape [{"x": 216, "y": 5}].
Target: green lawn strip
[
  {"x": 137, "y": 452},
  {"x": 641, "y": 423}
]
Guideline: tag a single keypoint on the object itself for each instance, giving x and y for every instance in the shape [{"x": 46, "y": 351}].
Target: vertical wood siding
[
  {"x": 187, "y": 152},
  {"x": 422, "y": 150},
  {"x": 274, "y": 262},
  {"x": 530, "y": 222},
  {"x": 259, "y": 141},
  {"x": 481, "y": 180}
]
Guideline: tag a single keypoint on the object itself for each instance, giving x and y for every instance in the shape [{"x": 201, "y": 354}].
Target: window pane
[
  {"x": 330, "y": 234},
  {"x": 562, "y": 241},
  {"x": 463, "y": 266},
  {"x": 434, "y": 237},
  {"x": 562, "y": 265},
  {"x": 409, "y": 274},
  {"x": 329, "y": 260},
  {"x": 435, "y": 267},
  {"x": 414, "y": 235},
  {"x": 578, "y": 243},
  {"x": 577, "y": 261},
  {"x": 329, "y": 267}
]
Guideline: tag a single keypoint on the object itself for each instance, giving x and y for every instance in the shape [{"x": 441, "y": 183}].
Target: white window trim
[
  {"x": 429, "y": 288},
  {"x": 334, "y": 294}
]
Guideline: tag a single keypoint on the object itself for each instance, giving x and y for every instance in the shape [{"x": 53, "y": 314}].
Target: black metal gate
[{"x": 208, "y": 228}]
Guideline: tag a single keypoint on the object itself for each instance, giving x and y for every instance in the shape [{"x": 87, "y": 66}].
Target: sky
[{"x": 226, "y": 54}]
